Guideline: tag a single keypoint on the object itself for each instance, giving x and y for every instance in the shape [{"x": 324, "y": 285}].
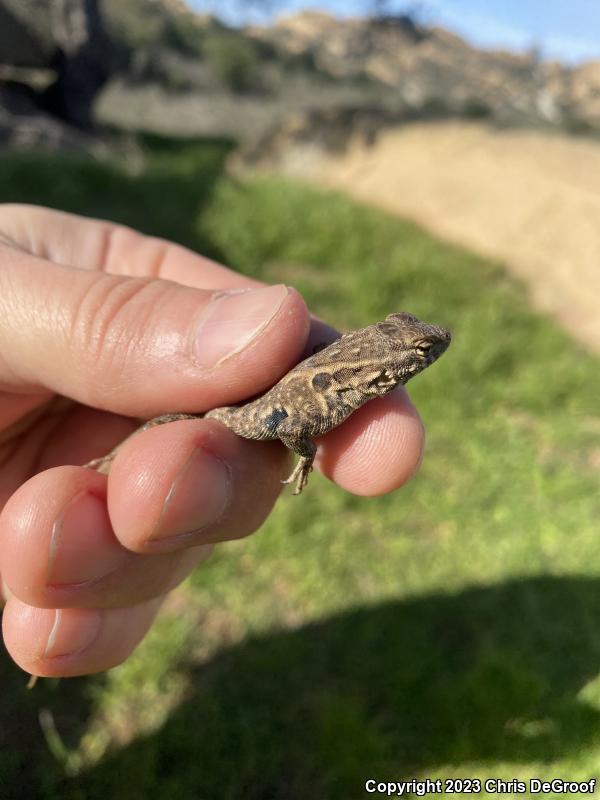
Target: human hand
[{"x": 99, "y": 325}]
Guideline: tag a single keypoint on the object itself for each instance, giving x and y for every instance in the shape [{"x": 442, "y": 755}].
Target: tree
[
  {"x": 414, "y": 10},
  {"x": 80, "y": 61}
]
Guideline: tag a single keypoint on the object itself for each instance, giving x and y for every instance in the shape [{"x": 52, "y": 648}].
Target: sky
[{"x": 565, "y": 29}]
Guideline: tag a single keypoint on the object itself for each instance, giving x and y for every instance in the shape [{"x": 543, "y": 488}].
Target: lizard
[{"x": 323, "y": 390}]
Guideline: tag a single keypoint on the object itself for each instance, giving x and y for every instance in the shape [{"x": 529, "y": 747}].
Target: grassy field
[{"x": 449, "y": 629}]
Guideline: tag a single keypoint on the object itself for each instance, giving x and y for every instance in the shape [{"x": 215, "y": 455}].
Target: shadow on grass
[
  {"x": 26, "y": 762},
  {"x": 488, "y": 674},
  {"x": 164, "y": 197}
]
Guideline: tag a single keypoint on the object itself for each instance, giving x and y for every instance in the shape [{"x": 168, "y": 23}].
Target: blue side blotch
[{"x": 275, "y": 417}]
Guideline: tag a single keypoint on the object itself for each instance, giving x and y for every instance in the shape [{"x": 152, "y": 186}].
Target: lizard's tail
[{"x": 223, "y": 414}]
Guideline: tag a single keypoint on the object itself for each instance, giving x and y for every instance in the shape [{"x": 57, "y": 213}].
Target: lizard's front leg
[
  {"x": 103, "y": 463},
  {"x": 306, "y": 449}
]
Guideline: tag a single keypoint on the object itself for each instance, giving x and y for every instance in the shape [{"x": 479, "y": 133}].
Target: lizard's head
[{"x": 412, "y": 345}]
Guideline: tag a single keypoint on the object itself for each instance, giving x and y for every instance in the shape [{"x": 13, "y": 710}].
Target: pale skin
[{"x": 99, "y": 325}]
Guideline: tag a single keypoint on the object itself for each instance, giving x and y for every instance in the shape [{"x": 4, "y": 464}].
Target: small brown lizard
[{"x": 323, "y": 390}]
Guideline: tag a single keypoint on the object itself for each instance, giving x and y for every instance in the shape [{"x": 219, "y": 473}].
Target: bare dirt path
[{"x": 530, "y": 200}]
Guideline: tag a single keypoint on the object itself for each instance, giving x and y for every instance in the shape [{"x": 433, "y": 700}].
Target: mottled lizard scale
[{"x": 322, "y": 391}]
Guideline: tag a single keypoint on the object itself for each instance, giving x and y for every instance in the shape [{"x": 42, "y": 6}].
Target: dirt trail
[{"x": 528, "y": 199}]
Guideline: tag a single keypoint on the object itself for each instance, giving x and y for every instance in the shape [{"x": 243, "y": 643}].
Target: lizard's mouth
[{"x": 440, "y": 345}]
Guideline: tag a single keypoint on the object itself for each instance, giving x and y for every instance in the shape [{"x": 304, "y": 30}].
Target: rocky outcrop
[
  {"x": 430, "y": 66},
  {"x": 584, "y": 93}
]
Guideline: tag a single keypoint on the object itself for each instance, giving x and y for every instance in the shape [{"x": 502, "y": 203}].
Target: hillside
[
  {"x": 176, "y": 71},
  {"x": 242, "y": 81}
]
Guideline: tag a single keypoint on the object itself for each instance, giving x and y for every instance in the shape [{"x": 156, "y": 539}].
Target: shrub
[{"x": 234, "y": 60}]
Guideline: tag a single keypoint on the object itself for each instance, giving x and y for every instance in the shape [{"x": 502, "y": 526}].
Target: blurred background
[{"x": 440, "y": 157}]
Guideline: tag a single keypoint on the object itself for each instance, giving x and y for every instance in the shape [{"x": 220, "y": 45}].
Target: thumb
[{"x": 140, "y": 346}]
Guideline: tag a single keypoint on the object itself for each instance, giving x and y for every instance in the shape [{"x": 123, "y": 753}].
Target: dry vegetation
[{"x": 528, "y": 199}]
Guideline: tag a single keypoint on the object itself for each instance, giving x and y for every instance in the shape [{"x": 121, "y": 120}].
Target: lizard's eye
[{"x": 423, "y": 348}]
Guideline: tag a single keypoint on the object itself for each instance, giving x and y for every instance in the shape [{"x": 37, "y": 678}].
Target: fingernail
[
  {"x": 233, "y": 320},
  {"x": 198, "y": 498},
  {"x": 72, "y": 632},
  {"x": 83, "y": 547}
]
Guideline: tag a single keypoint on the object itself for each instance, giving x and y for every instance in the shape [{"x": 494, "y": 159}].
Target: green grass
[{"x": 449, "y": 629}]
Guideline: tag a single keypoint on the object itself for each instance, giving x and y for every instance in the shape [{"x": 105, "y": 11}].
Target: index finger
[{"x": 103, "y": 246}]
